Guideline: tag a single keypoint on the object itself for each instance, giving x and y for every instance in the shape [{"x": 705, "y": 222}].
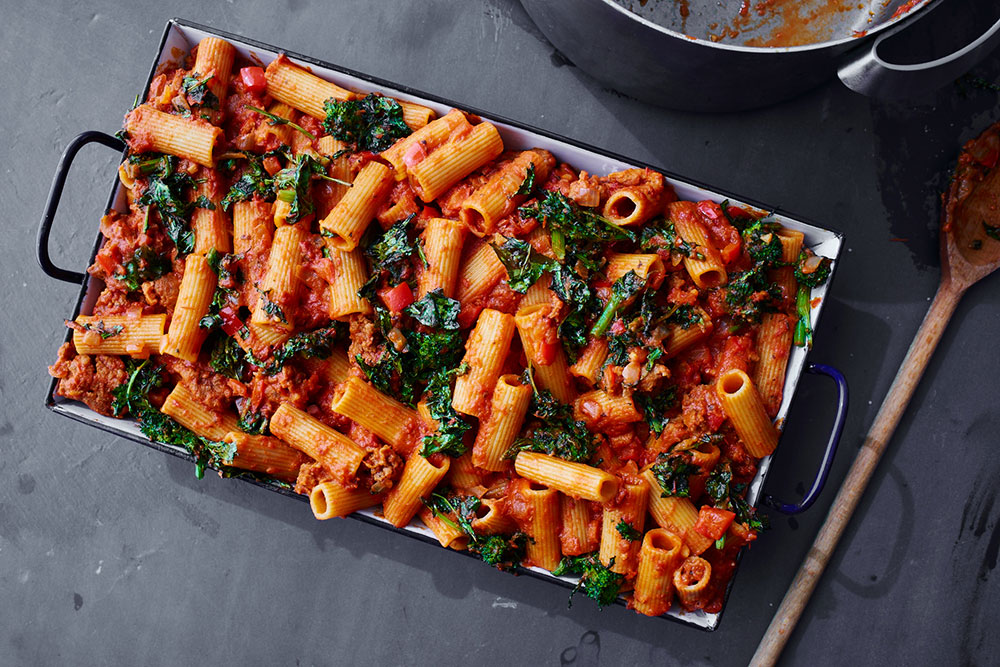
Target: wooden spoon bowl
[
  {"x": 970, "y": 251},
  {"x": 971, "y": 212}
]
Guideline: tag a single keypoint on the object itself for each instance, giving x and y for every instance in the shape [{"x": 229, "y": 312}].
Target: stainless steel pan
[{"x": 704, "y": 55}]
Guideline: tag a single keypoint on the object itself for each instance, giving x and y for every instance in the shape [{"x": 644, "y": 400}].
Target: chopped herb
[
  {"x": 371, "y": 124},
  {"x": 278, "y": 120},
  {"x": 596, "y": 581},
  {"x": 671, "y": 472},
  {"x": 144, "y": 266},
  {"x": 627, "y": 532},
  {"x": 103, "y": 330}
]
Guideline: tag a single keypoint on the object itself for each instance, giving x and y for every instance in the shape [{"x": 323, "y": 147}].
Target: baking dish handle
[
  {"x": 831, "y": 445},
  {"x": 55, "y": 194},
  {"x": 866, "y": 72}
]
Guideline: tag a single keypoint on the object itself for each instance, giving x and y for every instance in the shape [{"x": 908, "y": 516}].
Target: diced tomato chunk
[
  {"x": 397, "y": 298},
  {"x": 253, "y": 79},
  {"x": 713, "y": 522},
  {"x": 231, "y": 322},
  {"x": 547, "y": 352}
]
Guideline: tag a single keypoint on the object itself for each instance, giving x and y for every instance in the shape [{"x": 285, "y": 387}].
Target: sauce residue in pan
[
  {"x": 771, "y": 23},
  {"x": 793, "y": 22}
]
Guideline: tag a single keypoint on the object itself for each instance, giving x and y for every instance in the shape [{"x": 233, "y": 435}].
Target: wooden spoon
[{"x": 968, "y": 254}]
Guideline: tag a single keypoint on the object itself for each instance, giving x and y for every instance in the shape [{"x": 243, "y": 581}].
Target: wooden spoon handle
[{"x": 857, "y": 479}]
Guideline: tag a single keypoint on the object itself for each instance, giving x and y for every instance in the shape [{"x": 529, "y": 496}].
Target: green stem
[
  {"x": 558, "y": 241},
  {"x": 607, "y": 316},
  {"x": 803, "y": 332},
  {"x": 278, "y": 120}
]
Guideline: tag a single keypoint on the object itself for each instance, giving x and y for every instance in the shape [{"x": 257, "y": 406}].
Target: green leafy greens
[
  {"x": 810, "y": 271},
  {"x": 165, "y": 192},
  {"x": 653, "y": 407},
  {"x": 504, "y": 552},
  {"x": 145, "y": 265},
  {"x": 451, "y": 427},
  {"x": 435, "y": 310},
  {"x": 596, "y": 581},
  {"x": 728, "y": 496},
  {"x": 372, "y": 124},
  {"x": 132, "y": 397},
  {"x": 671, "y": 472},
  {"x": 197, "y": 91},
  {"x": 559, "y": 433},
  {"x": 627, "y": 532},
  {"x": 292, "y": 186},
  {"x": 400, "y": 370},
  {"x": 255, "y": 180},
  {"x": 390, "y": 251},
  {"x": 523, "y": 264},
  {"x": 577, "y": 234},
  {"x": 624, "y": 289}
]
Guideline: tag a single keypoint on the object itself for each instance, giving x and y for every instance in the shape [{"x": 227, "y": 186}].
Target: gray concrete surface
[{"x": 111, "y": 553}]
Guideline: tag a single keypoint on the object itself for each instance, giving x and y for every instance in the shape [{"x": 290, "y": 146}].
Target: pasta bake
[{"x": 380, "y": 306}]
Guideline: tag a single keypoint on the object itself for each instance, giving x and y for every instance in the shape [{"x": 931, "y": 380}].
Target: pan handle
[
  {"x": 867, "y": 73},
  {"x": 55, "y": 194},
  {"x": 831, "y": 445}
]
